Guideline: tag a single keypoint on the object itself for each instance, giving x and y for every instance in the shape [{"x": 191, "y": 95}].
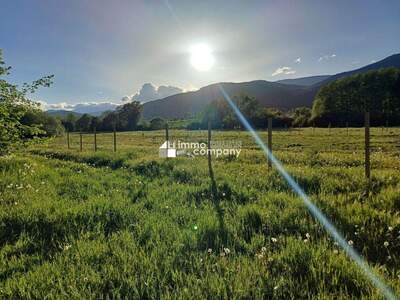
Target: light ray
[{"x": 330, "y": 228}]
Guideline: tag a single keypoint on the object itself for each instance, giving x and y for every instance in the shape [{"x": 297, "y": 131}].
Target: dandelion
[
  {"x": 386, "y": 244},
  {"x": 263, "y": 249},
  {"x": 227, "y": 251},
  {"x": 308, "y": 235},
  {"x": 209, "y": 251},
  {"x": 390, "y": 228},
  {"x": 274, "y": 240},
  {"x": 195, "y": 227},
  {"x": 350, "y": 243},
  {"x": 305, "y": 240},
  {"x": 223, "y": 194}
]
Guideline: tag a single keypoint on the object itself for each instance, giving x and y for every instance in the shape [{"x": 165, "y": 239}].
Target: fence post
[
  {"x": 115, "y": 139},
  {"x": 68, "y": 139},
  {"x": 367, "y": 147},
  {"x": 80, "y": 140},
  {"x": 95, "y": 140},
  {"x": 269, "y": 141},
  {"x": 167, "y": 137}
]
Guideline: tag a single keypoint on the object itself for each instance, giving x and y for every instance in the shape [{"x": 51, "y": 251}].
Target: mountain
[
  {"x": 390, "y": 61},
  {"x": 271, "y": 94},
  {"x": 94, "y": 109},
  {"x": 62, "y": 113},
  {"x": 304, "y": 81}
]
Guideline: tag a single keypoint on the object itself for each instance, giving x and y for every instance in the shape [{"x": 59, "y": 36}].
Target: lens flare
[{"x": 330, "y": 228}]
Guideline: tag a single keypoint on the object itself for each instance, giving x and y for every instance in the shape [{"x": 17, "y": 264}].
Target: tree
[
  {"x": 129, "y": 115},
  {"x": 109, "y": 121},
  {"x": 301, "y": 116},
  {"x": 157, "y": 124},
  {"x": 345, "y": 100},
  {"x": 221, "y": 114},
  {"x": 69, "y": 122},
  {"x": 83, "y": 123},
  {"x": 14, "y": 104}
]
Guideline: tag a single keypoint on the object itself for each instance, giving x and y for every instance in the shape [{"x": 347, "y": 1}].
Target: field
[{"x": 86, "y": 225}]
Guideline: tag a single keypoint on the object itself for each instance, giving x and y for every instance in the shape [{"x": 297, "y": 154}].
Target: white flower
[
  {"x": 263, "y": 249},
  {"x": 350, "y": 243},
  {"x": 227, "y": 251},
  {"x": 209, "y": 251},
  {"x": 390, "y": 228},
  {"x": 308, "y": 235},
  {"x": 274, "y": 240},
  {"x": 335, "y": 251},
  {"x": 386, "y": 244}
]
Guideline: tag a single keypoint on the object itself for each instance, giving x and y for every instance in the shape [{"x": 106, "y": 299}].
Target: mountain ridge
[{"x": 270, "y": 94}]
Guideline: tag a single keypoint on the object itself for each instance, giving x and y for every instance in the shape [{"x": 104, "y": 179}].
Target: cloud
[
  {"x": 297, "y": 60},
  {"x": 284, "y": 70},
  {"x": 149, "y": 92},
  {"x": 326, "y": 57},
  {"x": 86, "y": 107}
]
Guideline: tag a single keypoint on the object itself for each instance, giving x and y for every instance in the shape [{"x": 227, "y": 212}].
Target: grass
[{"x": 86, "y": 225}]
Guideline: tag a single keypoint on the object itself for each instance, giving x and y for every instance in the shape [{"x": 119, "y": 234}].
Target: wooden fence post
[
  {"x": 80, "y": 140},
  {"x": 68, "y": 139},
  {"x": 269, "y": 141},
  {"x": 95, "y": 140},
  {"x": 115, "y": 139},
  {"x": 367, "y": 147}
]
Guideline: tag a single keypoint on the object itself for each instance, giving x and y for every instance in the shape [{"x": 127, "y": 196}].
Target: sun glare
[{"x": 201, "y": 57}]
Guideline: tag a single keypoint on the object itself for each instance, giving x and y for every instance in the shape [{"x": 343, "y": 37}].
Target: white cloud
[
  {"x": 297, "y": 60},
  {"x": 284, "y": 70},
  {"x": 86, "y": 107},
  {"x": 326, "y": 57},
  {"x": 149, "y": 92}
]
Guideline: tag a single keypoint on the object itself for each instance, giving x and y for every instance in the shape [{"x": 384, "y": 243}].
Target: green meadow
[{"x": 103, "y": 225}]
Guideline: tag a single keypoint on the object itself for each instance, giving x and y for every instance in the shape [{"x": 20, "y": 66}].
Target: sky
[{"x": 105, "y": 51}]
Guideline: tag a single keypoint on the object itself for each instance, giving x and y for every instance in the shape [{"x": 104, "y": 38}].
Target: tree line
[
  {"x": 345, "y": 101},
  {"x": 124, "y": 118}
]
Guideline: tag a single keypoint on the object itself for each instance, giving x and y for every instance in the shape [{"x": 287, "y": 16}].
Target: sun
[{"x": 201, "y": 57}]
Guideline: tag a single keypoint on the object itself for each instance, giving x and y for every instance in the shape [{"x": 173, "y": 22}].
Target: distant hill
[
  {"x": 390, "y": 61},
  {"x": 274, "y": 94},
  {"x": 268, "y": 93},
  {"x": 62, "y": 113},
  {"x": 305, "y": 81}
]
